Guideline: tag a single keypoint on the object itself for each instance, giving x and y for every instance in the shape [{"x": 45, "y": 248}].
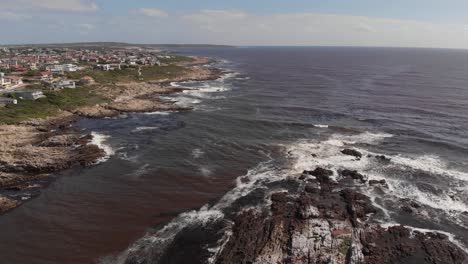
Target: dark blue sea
[{"x": 278, "y": 111}]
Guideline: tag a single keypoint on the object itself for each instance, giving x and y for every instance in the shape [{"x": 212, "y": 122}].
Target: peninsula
[{"x": 45, "y": 89}]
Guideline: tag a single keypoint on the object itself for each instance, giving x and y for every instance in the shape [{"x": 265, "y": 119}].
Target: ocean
[{"x": 278, "y": 111}]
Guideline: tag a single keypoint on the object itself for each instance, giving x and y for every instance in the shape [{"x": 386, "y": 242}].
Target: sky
[{"x": 396, "y": 23}]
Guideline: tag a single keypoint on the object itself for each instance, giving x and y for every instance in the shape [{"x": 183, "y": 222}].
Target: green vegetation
[
  {"x": 68, "y": 99},
  {"x": 345, "y": 245},
  {"x": 175, "y": 59},
  {"x": 158, "y": 73},
  {"x": 149, "y": 73}
]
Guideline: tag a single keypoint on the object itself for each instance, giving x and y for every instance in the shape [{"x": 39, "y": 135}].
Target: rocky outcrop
[
  {"x": 143, "y": 105},
  {"x": 7, "y": 204},
  {"x": 352, "y": 152},
  {"x": 33, "y": 149},
  {"x": 97, "y": 111},
  {"x": 331, "y": 226},
  {"x": 308, "y": 219}
]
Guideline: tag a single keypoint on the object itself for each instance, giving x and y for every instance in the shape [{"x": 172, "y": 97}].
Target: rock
[
  {"x": 358, "y": 205},
  {"x": 383, "y": 159},
  {"x": 409, "y": 206},
  {"x": 96, "y": 111},
  {"x": 382, "y": 183},
  {"x": 352, "y": 152},
  {"x": 353, "y": 174},
  {"x": 312, "y": 187},
  {"x": 321, "y": 173},
  {"x": 397, "y": 245},
  {"x": 7, "y": 204}
]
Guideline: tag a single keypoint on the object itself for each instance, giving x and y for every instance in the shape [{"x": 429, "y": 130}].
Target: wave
[
  {"x": 320, "y": 126},
  {"x": 301, "y": 155},
  {"x": 144, "y": 128},
  {"x": 197, "y": 153},
  {"x": 327, "y": 154},
  {"x": 157, "y": 113},
  {"x": 154, "y": 243},
  {"x": 100, "y": 141}
]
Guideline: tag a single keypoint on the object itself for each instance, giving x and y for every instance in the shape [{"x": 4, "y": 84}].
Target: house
[
  {"x": 4, "y": 82},
  {"x": 61, "y": 84},
  {"x": 15, "y": 80},
  {"x": 28, "y": 95},
  {"x": 45, "y": 76},
  {"x": 61, "y": 68},
  {"x": 108, "y": 67},
  {"x": 7, "y": 101}
]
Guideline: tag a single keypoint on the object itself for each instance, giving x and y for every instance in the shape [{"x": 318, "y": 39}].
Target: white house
[
  {"x": 28, "y": 95},
  {"x": 4, "y": 82},
  {"x": 61, "y": 84}
]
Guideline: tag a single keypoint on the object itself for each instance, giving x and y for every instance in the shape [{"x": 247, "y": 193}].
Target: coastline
[
  {"x": 309, "y": 217},
  {"x": 33, "y": 150}
]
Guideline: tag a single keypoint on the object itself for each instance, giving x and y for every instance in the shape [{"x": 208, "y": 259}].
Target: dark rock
[
  {"x": 312, "y": 188},
  {"x": 383, "y": 159},
  {"x": 353, "y": 174},
  {"x": 396, "y": 245},
  {"x": 382, "y": 183},
  {"x": 409, "y": 206},
  {"x": 358, "y": 205},
  {"x": 352, "y": 152}
]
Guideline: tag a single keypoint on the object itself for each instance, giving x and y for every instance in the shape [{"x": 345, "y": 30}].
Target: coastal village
[
  {"x": 26, "y": 72},
  {"x": 45, "y": 90}
]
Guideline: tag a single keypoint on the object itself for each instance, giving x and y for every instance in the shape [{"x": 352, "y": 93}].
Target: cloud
[
  {"x": 86, "y": 26},
  {"x": 51, "y": 5},
  {"x": 153, "y": 12},
  {"x": 240, "y": 28},
  {"x": 11, "y": 16},
  {"x": 232, "y": 27}
]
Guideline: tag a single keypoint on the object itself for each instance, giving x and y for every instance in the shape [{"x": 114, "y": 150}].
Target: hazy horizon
[{"x": 362, "y": 23}]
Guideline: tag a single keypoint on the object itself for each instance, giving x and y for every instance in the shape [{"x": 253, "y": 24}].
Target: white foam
[
  {"x": 327, "y": 154},
  {"x": 100, "y": 141},
  {"x": 228, "y": 75},
  {"x": 205, "y": 171},
  {"x": 321, "y": 126},
  {"x": 430, "y": 163},
  {"x": 442, "y": 201},
  {"x": 144, "y": 128},
  {"x": 157, "y": 113},
  {"x": 197, "y": 153}
]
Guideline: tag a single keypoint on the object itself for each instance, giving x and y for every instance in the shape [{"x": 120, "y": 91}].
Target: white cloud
[
  {"x": 51, "y": 5},
  {"x": 86, "y": 26},
  {"x": 233, "y": 27},
  {"x": 10, "y": 16},
  {"x": 239, "y": 28},
  {"x": 153, "y": 12}
]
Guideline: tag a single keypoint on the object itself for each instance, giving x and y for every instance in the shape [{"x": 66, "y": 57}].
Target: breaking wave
[{"x": 100, "y": 141}]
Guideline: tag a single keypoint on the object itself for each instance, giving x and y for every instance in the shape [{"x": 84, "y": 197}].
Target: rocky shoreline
[
  {"x": 32, "y": 150},
  {"x": 306, "y": 218}
]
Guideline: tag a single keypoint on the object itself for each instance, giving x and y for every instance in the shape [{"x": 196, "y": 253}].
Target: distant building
[
  {"x": 61, "y": 84},
  {"x": 6, "y": 101},
  {"x": 8, "y": 81},
  {"x": 28, "y": 95},
  {"x": 4, "y": 82},
  {"x": 61, "y": 68},
  {"x": 108, "y": 67},
  {"x": 45, "y": 76}
]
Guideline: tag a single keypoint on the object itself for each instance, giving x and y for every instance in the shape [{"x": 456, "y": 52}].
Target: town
[{"x": 27, "y": 72}]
